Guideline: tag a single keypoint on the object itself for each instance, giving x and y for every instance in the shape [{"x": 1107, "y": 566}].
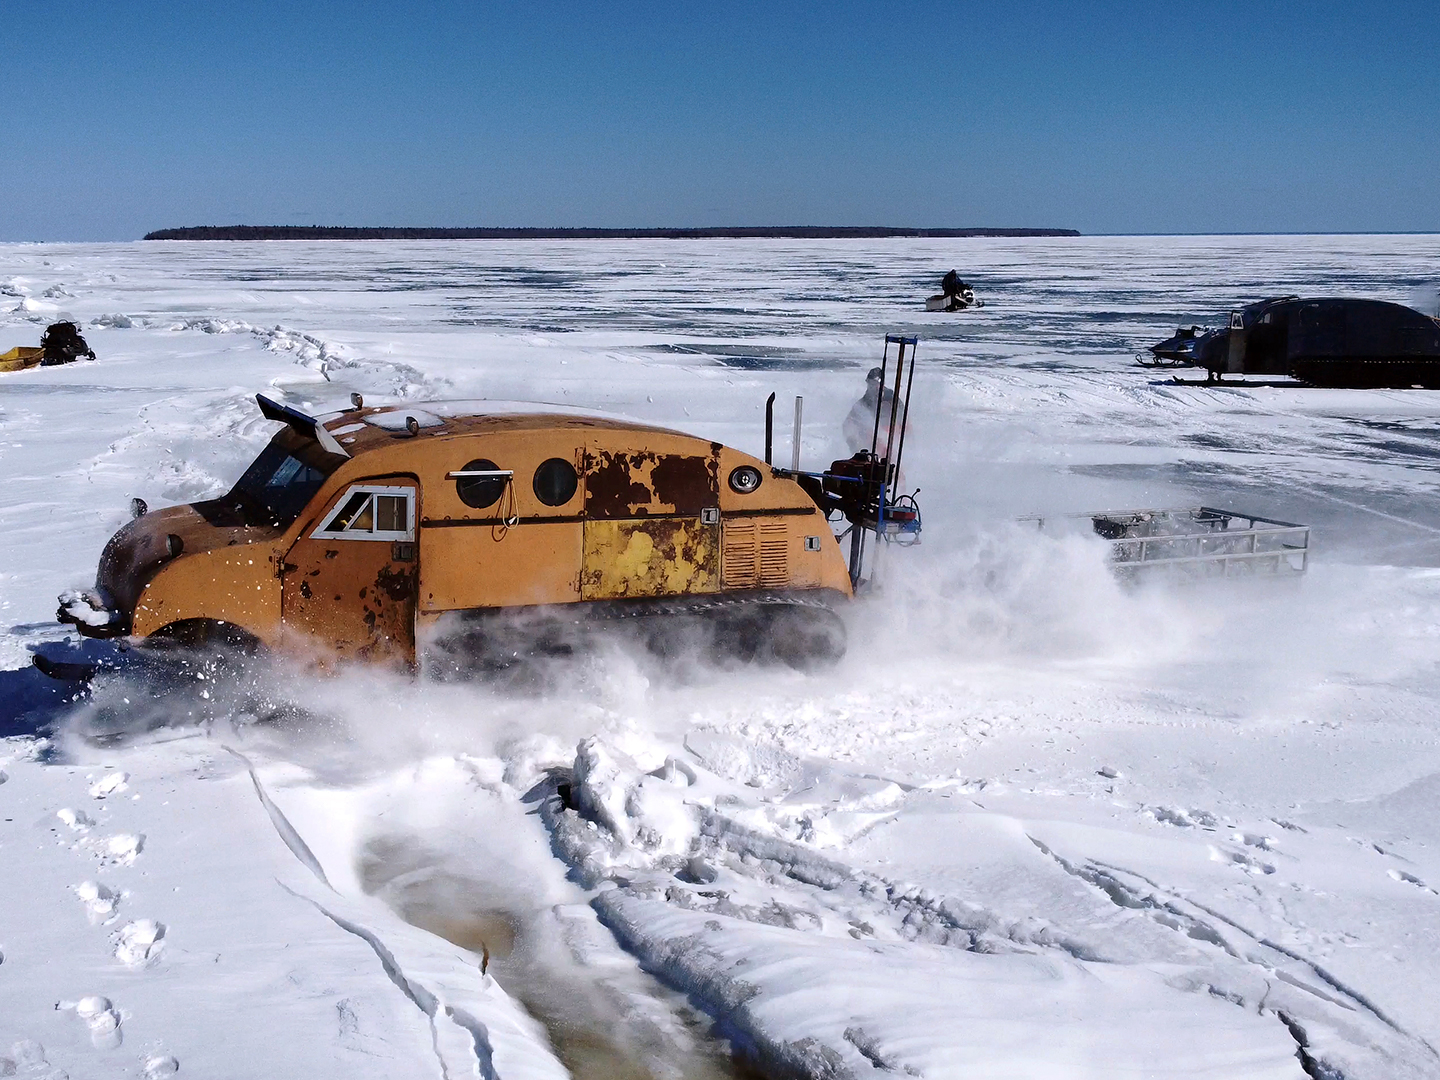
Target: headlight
[{"x": 744, "y": 479}]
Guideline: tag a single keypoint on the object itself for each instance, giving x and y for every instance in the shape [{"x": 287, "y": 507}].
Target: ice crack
[
  {"x": 417, "y": 994},
  {"x": 1314, "y": 1068},
  {"x": 293, "y": 840}
]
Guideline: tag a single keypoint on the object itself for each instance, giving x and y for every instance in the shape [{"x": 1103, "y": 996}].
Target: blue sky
[{"x": 1118, "y": 117}]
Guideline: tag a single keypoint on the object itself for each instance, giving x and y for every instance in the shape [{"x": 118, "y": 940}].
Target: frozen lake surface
[{"x": 1038, "y": 824}]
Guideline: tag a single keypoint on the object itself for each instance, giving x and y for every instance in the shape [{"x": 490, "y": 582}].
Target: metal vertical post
[
  {"x": 769, "y": 426},
  {"x": 905, "y": 419},
  {"x": 880, "y": 397},
  {"x": 795, "y": 445},
  {"x": 894, "y": 400},
  {"x": 857, "y": 554}
]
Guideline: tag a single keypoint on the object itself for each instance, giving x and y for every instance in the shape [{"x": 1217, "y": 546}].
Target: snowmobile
[
  {"x": 954, "y": 295},
  {"x": 1177, "y": 351},
  {"x": 1323, "y": 342},
  {"x": 62, "y": 344}
]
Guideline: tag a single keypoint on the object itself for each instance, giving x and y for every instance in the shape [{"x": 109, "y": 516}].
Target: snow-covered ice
[{"x": 1038, "y": 824}]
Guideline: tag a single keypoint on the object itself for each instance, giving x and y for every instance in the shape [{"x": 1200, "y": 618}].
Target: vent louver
[
  {"x": 738, "y": 557},
  {"x": 774, "y": 554},
  {"x": 755, "y": 553}
]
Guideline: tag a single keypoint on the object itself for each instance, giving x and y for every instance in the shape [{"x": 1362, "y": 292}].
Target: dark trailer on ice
[{"x": 1324, "y": 342}]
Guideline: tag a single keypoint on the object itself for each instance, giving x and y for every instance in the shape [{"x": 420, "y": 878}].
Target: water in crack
[{"x": 616, "y": 1021}]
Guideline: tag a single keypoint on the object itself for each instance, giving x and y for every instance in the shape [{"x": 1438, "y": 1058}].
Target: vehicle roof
[
  {"x": 369, "y": 428},
  {"x": 1399, "y": 312},
  {"x": 1301, "y": 301}
]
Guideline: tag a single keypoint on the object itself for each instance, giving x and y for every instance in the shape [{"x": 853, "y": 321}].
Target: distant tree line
[{"x": 781, "y": 232}]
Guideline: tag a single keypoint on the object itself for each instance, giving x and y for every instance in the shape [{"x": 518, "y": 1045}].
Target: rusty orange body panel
[{"x": 548, "y": 508}]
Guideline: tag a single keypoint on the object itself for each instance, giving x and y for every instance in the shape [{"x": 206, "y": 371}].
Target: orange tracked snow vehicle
[
  {"x": 457, "y": 535},
  {"x": 356, "y": 535}
]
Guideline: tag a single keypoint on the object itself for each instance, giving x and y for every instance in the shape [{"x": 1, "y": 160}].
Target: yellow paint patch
[{"x": 666, "y": 557}]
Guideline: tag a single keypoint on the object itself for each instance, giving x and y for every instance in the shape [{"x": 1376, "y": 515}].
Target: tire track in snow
[
  {"x": 1320, "y": 973},
  {"x": 1355, "y": 1038},
  {"x": 1168, "y": 908}
]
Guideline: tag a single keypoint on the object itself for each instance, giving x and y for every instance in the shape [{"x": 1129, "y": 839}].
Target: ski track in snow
[{"x": 1038, "y": 822}]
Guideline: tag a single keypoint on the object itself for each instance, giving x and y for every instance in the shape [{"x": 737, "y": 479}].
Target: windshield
[{"x": 281, "y": 481}]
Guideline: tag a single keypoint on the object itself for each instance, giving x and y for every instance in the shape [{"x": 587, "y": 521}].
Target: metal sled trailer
[
  {"x": 20, "y": 358},
  {"x": 1198, "y": 541}
]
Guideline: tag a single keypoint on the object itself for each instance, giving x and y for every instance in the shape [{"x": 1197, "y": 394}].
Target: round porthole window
[
  {"x": 480, "y": 491},
  {"x": 744, "y": 479},
  {"x": 555, "y": 482}
]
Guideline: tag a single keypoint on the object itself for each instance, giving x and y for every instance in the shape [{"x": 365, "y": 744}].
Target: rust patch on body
[
  {"x": 397, "y": 584},
  {"x": 687, "y": 483},
  {"x": 631, "y": 484},
  {"x": 611, "y": 489}
]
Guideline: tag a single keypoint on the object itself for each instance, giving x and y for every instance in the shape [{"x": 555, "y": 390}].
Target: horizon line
[{"x": 722, "y": 232}]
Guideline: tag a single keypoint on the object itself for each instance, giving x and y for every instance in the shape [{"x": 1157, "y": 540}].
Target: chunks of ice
[
  {"x": 86, "y": 608},
  {"x": 112, "y": 783},
  {"x": 1185, "y": 819},
  {"x": 636, "y": 807}
]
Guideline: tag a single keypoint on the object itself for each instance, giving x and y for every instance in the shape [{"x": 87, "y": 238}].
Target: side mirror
[{"x": 138, "y": 508}]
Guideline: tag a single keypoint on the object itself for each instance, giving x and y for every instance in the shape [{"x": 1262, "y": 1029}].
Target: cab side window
[{"x": 370, "y": 512}]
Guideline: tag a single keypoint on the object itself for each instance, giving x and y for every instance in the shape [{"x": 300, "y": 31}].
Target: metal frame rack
[
  {"x": 862, "y": 488},
  {"x": 1197, "y": 539}
]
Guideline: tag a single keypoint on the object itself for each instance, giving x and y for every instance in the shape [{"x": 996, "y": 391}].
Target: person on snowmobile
[
  {"x": 62, "y": 344},
  {"x": 958, "y": 295}
]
